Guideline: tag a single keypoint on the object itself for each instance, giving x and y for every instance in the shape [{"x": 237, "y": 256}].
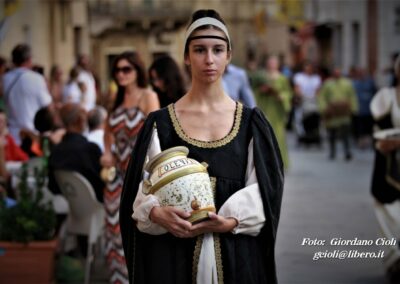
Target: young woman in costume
[{"x": 236, "y": 244}]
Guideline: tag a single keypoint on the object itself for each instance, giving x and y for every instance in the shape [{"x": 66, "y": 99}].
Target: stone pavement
[{"x": 323, "y": 200}]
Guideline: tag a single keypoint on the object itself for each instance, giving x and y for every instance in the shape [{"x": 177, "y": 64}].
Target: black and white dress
[{"x": 247, "y": 173}]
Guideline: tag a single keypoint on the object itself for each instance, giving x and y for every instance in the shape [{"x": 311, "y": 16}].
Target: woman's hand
[
  {"x": 265, "y": 89},
  {"x": 173, "y": 220},
  {"x": 385, "y": 146},
  {"x": 216, "y": 224}
]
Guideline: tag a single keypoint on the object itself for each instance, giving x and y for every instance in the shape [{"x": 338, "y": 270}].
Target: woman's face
[
  {"x": 125, "y": 73},
  {"x": 273, "y": 64},
  {"x": 208, "y": 57},
  {"x": 156, "y": 81}
]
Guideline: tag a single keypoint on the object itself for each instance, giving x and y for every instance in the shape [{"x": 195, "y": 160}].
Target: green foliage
[{"x": 30, "y": 219}]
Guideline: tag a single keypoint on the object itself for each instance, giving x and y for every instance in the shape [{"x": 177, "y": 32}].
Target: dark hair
[
  {"x": 168, "y": 71},
  {"x": 38, "y": 69},
  {"x": 73, "y": 74},
  {"x": 3, "y": 61},
  {"x": 54, "y": 71},
  {"x": 20, "y": 54},
  {"x": 202, "y": 14},
  {"x": 134, "y": 59},
  {"x": 44, "y": 120}
]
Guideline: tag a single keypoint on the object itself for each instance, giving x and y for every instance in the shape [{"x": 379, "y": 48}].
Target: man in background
[
  {"x": 236, "y": 85},
  {"x": 75, "y": 152},
  {"x": 96, "y": 120},
  {"x": 337, "y": 102},
  {"x": 86, "y": 77},
  {"x": 24, "y": 91}
]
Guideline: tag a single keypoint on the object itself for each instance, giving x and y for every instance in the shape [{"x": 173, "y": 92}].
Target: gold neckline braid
[{"x": 208, "y": 144}]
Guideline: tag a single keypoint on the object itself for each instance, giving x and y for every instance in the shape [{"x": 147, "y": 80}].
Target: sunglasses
[{"x": 125, "y": 69}]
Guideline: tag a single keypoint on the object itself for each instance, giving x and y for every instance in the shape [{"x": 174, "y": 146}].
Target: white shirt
[
  {"x": 385, "y": 102},
  {"x": 89, "y": 97},
  {"x": 308, "y": 84},
  {"x": 23, "y": 99},
  {"x": 72, "y": 93},
  {"x": 97, "y": 136}
]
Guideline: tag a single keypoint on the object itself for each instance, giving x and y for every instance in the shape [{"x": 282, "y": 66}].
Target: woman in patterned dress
[{"x": 134, "y": 101}]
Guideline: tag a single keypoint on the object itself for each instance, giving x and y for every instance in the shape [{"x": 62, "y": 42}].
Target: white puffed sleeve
[
  {"x": 381, "y": 103},
  {"x": 144, "y": 203},
  {"x": 246, "y": 205}
]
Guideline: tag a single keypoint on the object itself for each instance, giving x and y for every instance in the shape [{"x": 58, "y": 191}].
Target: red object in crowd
[{"x": 12, "y": 151}]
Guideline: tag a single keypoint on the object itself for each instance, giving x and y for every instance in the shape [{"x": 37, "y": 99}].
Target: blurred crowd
[{"x": 70, "y": 122}]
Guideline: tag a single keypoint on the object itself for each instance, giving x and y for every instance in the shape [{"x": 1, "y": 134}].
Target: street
[{"x": 324, "y": 200}]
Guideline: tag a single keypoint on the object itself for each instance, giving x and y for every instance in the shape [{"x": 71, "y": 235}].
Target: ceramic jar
[{"x": 181, "y": 182}]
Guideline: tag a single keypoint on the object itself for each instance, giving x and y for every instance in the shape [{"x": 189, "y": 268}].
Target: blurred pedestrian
[
  {"x": 75, "y": 152},
  {"x": 365, "y": 88},
  {"x": 49, "y": 125},
  {"x": 97, "y": 123},
  {"x": 74, "y": 89},
  {"x": 167, "y": 80},
  {"x": 56, "y": 85},
  {"x": 133, "y": 103},
  {"x": 85, "y": 76},
  {"x": 337, "y": 102},
  {"x": 236, "y": 84},
  {"x": 306, "y": 115},
  {"x": 24, "y": 91},
  {"x": 273, "y": 95}
]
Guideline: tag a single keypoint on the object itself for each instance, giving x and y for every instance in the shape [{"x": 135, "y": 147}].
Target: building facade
[
  {"x": 360, "y": 33},
  {"x": 57, "y": 30}
]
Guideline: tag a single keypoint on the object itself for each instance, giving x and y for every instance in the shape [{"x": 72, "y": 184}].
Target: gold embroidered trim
[
  {"x": 196, "y": 257},
  {"x": 213, "y": 181},
  {"x": 217, "y": 243},
  {"x": 218, "y": 259},
  {"x": 208, "y": 144},
  {"x": 217, "y": 248}
]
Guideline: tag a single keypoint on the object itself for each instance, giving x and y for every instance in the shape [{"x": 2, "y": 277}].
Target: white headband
[{"x": 204, "y": 22}]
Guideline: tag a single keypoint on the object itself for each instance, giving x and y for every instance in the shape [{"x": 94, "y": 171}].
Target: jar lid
[{"x": 165, "y": 155}]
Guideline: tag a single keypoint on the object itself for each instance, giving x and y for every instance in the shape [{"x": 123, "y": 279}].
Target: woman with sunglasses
[
  {"x": 134, "y": 101},
  {"x": 235, "y": 244}
]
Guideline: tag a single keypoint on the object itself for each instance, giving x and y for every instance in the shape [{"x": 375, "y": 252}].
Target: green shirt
[{"x": 335, "y": 91}]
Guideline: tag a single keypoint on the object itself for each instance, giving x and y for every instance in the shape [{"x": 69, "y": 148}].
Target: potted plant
[{"x": 27, "y": 234}]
